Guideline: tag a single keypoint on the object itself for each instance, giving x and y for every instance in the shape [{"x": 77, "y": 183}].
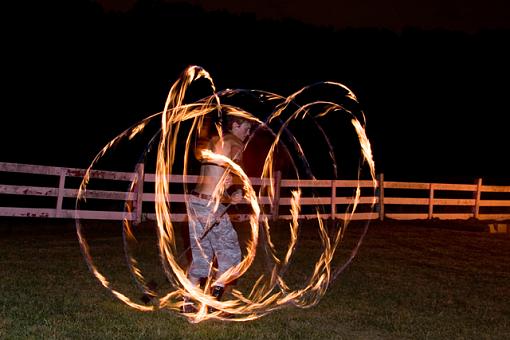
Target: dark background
[{"x": 75, "y": 75}]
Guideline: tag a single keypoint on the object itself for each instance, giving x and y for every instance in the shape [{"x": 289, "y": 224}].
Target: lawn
[{"x": 410, "y": 280}]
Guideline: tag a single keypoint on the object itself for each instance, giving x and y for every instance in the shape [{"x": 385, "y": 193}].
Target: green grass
[{"x": 409, "y": 281}]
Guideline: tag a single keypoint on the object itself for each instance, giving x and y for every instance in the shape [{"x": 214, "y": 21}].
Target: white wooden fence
[{"x": 52, "y": 194}]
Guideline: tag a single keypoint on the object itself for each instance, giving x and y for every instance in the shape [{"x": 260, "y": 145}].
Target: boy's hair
[{"x": 231, "y": 119}]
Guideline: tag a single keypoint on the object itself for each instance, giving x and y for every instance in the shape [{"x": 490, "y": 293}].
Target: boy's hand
[{"x": 236, "y": 197}]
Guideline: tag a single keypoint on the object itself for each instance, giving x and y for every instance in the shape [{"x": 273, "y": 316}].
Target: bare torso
[{"x": 210, "y": 173}]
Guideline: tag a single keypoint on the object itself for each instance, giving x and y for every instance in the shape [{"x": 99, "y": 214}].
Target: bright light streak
[{"x": 270, "y": 291}]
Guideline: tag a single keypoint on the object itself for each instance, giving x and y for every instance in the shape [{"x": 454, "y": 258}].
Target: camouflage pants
[{"x": 221, "y": 241}]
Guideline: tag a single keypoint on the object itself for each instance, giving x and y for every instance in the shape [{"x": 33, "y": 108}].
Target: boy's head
[{"x": 238, "y": 126}]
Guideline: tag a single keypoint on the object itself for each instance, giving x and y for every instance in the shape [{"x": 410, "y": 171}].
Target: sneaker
[
  {"x": 147, "y": 297},
  {"x": 217, "y": 292},
  {"x": 188, "y": 307}
]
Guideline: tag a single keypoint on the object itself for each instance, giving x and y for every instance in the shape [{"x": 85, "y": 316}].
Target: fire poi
[{"x": 182, "y": 122}]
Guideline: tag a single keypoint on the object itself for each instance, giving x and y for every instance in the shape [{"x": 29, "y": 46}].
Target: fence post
[
  {"x": 140, "y": 175},
  {"x": 61, "y": 188},
  {"x": 333, "y": 199},
  {"x": 381, "y": 197},
  {"x": 276, "y": 201},
  {"x": 478, "y": 196},
  {"x": 431, "y": 201}
]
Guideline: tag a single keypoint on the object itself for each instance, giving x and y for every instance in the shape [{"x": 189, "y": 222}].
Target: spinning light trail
[{"x": 271, "y": 290}]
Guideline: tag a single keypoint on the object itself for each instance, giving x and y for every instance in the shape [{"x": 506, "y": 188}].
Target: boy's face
[{"x": 241, "y": 130}]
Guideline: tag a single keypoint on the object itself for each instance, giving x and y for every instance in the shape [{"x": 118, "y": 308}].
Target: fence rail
[{"x": 53, "y": 190}]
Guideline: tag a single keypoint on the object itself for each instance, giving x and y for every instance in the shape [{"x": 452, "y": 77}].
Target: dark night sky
[
  {"x": 465, "y": 15},
  {"x": 432, "y": 77}
]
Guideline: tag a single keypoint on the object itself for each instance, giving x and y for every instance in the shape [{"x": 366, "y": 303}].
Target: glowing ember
[{"x": 270, "y": 291}]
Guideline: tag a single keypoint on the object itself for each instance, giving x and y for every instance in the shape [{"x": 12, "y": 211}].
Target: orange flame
[{"x": 269, "y": 292}]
